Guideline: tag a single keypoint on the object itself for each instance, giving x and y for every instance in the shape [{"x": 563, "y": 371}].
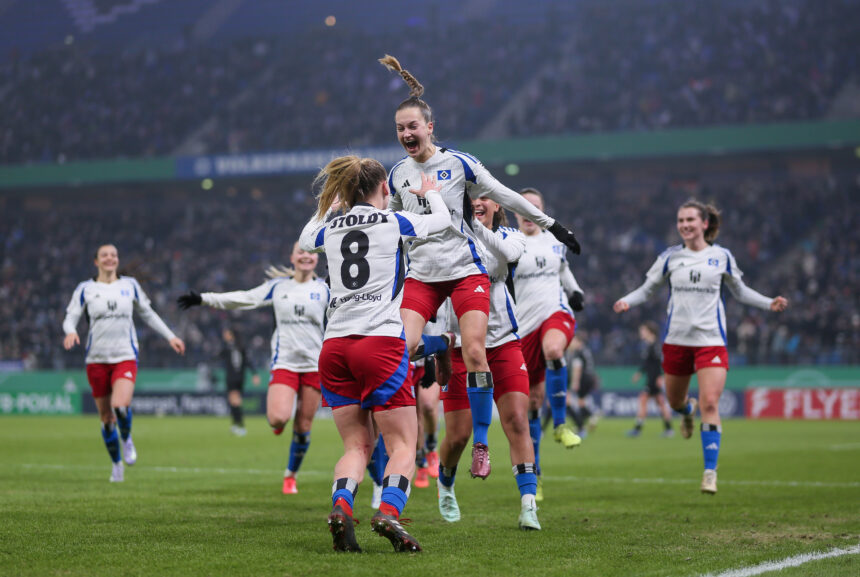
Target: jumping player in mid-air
[{"x": 451, "y": 264}]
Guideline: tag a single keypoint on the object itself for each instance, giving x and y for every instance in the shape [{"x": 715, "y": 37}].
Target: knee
[
  {"x": 709, "y": 406},
  {"x": 474, "y": 353},
  {"x": 277, "y": 421},
  {"x": 515, "y": 425},
  {"x": 553, "y": 351}
]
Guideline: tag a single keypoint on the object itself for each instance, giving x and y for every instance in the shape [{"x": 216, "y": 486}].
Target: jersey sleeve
[
  {"x": 744, "y": 294},
  {"x": 149, "y": 316},
  {"x": 655, "y": 277},
  {"x": 508, "y": 244},
  {"x": 568, "y": 281},
  {"x": 312, "y": 238},
  {"x": 486, "y": 185},
  {"x": 74, "y": 310},
  {"x": 421, "y": 225},
  {"x": 255, "y": 298}
]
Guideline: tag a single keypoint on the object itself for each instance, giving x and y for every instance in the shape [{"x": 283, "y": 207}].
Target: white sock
[{"x": 528, "y": 500}]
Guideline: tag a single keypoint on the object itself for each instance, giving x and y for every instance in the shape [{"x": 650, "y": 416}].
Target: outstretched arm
[
  {"x": 487, "y": 185},
  {"x": 508, "y": 246}
]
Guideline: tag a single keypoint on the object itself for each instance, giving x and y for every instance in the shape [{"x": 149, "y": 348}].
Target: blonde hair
[
  {"x": 416, "y": 90},
  {"x": 707, "y": 212},
  {"x": 349, "y": 179}
]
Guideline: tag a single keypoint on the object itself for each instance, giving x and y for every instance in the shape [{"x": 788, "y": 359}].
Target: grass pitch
[{"x": 202, "y": 502}]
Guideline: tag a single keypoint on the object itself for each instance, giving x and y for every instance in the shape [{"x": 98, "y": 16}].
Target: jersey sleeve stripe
[
  {"x": 466, "y": 154},
  {"x": 470, "y": 176},
  {"x": 320, "y": 238},
  {"x": 271, "y": 292},
  {"x": 83, "y": 290},
  {"x": 406, "y": 228}
]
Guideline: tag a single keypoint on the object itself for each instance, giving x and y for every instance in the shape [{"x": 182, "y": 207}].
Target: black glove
[
  {"x": 577, "y": 301},
  {"x": 186, "y": 301},
  {"x": 565, "y": 236}
]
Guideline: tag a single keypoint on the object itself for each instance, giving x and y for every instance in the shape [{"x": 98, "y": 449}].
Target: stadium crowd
[
  {"x": 794, "y": 238},
  {"x": 602, "y": 66}
]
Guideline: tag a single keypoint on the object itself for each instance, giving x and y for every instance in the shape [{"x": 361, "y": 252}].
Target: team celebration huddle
[{"x": 430, "y": 294}]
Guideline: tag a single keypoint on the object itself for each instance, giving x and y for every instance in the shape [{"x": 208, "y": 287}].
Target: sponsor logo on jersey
[
  {"x": 443, "y": 175},
  {"x": 712, "y": 447},
  {"x": 111, "y": 305},
  {"x": 717, "y": 360},
  {"x": 299, "y": 310},
  {"x": 695, "y": 276},
  {"x": 540, "y": 261}
]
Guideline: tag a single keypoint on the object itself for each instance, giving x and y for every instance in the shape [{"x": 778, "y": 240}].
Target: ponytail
[
  {"x": 707, "y": 212},
  {"x": 349, "y": 179},
  {"x": 416, "y": 90}
]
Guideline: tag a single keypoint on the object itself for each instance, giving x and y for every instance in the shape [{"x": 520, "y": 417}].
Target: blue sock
[
  {"x": 381, "y": 460},
  {"x": 111, "y": 438},
  {"x": 556, "y": 389},
  {"x": 711, "y": 435},
  {"x": 123, "y": 420},
  {"x": 536, "y": 432},
  {"x": 395, "y": 492},
  {"x": 446, "y": 475},
  {"x": 298, "y": 448},
  {"x": 526, "y": 475},
  {"x": 344, "y": 488},
  {"x": 431, "y": 345},
  {"x": 480, "y": 391}
]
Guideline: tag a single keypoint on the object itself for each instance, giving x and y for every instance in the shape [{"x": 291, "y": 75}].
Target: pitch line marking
[
  {"x": 844, "y": 447},
  {"x": 320, "y": 473},
  {"x": 662, "y": 481},
  {"x": 795, "y": 561}
]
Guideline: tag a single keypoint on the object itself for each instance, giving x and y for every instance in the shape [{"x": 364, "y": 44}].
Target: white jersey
[
  {"x": 365, "y": 250},
  {"x": 300, "y": 309},
  {"x": 697, "y": 314},
  {"x": 453, "y": 254},
  {"x": 112, "y": 337},
  {"x": 503, "y": 248},
  {"x": 538, "y": 281}
]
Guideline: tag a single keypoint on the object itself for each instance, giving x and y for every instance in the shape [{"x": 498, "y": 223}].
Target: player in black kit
[{"x": 652, "y": 370}]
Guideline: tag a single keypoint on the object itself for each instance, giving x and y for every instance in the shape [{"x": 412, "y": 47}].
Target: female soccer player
[
  {"x": 653, "y": 373},
  {"x": 503, "y": 247},
  {"x": 364, "y": 361},
  {"x": 450, "y": 264},
  {"x": 541, "y": 281},
  {"x": 695, "y": 341},
  {"x": 299, "y": 301},
  {"x": 110, "y": 300}
]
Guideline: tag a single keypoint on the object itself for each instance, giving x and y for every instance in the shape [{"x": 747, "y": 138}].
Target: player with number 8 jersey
[{"x": 364, "y": 363}]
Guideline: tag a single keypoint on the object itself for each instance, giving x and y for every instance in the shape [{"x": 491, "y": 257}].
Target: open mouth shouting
[{"x": 411, "y": 144}]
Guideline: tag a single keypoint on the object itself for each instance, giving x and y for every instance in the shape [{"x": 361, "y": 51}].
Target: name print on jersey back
[{"x": 366, "y": 275}]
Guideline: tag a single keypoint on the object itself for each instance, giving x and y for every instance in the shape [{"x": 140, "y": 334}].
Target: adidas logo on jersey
[
  {"x": 480, "y": 289},
  {"x": 712, "y": 447},
  {"x": 716, "y": 360}
]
